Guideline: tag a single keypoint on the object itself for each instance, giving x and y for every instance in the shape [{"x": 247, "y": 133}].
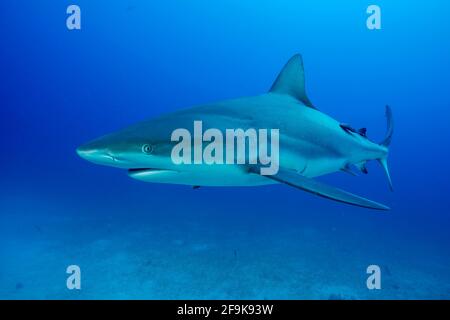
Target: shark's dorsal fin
[{"x": 291, "y": 81}]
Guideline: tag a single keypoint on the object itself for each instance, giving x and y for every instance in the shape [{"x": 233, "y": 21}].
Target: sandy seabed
[{"x": 185, "y": 257}]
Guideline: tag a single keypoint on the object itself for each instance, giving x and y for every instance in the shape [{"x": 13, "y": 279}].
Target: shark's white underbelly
[
  {"x": 233, "y": 174},
  {"x": 203, "y": 175}
]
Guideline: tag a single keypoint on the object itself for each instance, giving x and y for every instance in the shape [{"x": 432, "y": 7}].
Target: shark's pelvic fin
[
  {"x": 298, "y": 181},
  {"x": 348, "y": 169},
  {"x": 291, "y": 81}
]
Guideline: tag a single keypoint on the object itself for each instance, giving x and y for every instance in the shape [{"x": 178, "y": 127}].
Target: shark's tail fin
[
  {"x": 383, "y": 162},
  {"x": 386, "y": 142},
  {"x": 390, "y": 128}
]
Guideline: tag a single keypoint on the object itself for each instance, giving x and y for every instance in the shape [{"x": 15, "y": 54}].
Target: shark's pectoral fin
[
  {"x": 291, "y": 81},
  {"x": 296, "y": 180}
]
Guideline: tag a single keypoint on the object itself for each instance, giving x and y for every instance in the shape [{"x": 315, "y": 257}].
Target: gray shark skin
[{"x": 311, "y": 143}]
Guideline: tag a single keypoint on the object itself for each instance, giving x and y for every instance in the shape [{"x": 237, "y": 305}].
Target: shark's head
[{"x": 131, "y": 148}]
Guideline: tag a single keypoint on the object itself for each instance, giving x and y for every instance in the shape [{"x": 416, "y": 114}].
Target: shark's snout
[{"x": 98, "y": 154}]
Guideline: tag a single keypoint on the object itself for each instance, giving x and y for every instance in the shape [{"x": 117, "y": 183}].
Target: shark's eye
[{"x": 147, "y": 149}]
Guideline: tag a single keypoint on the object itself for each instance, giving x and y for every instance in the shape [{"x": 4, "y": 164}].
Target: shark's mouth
[
  {"x": 148, "y": 174},
  {"x": 144, "y": 171},
  {"x": 140, "y": 170}
]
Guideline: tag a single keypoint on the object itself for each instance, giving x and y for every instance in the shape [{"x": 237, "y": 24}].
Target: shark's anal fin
[
  {"x": 291, "y": 81},
  {"x": 296, "y": 180},
  {"x": 362, "y": 167}
]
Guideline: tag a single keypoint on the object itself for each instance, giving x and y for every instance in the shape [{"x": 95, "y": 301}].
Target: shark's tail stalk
[{"x": 386, "y": 142}]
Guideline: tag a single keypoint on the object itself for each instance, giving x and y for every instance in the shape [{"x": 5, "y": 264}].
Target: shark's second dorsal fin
[{"x": 291, "y": 81}]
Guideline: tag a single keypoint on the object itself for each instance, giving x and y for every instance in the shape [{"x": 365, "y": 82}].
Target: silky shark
[{"x": 311, "y": 143}]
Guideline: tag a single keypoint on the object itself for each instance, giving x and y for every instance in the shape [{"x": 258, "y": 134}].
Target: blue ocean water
[{"x": 137, "y": 59}]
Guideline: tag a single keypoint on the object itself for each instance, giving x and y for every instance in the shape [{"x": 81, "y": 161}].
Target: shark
[{"x": 311, "y": 143}]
